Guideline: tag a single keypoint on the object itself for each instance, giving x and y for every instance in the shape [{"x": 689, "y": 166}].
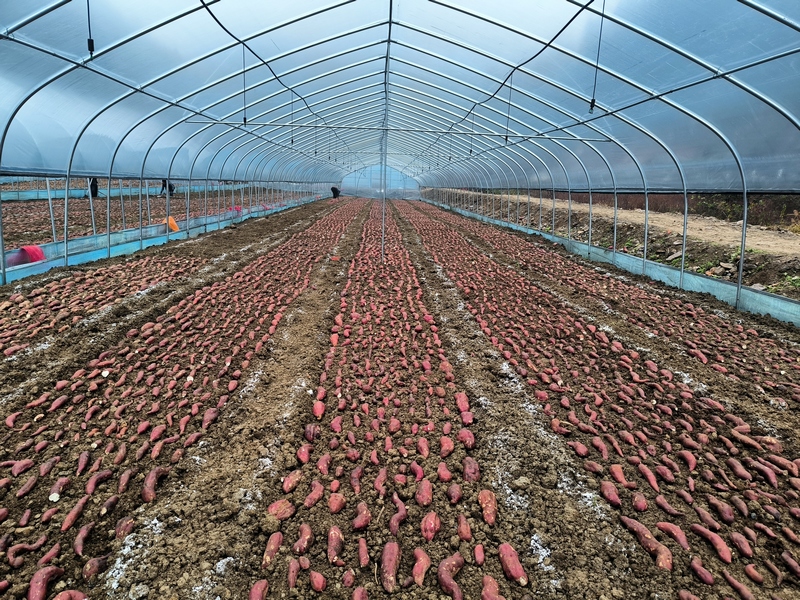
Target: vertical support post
[
  {"x": 685, "y": 231},
  {"x": 169, "y": 197},
  {"x": 188, "y": 201},
  {"x": 108, "y": 223},
  {"x": 589, "y": 249},
  {"x": 541, "y": 207},
  {"x": 66, "y": 222},
  {"x": 383, "y": 190},
  {"x": 528, "y": 182},
  {"x": 91, "y": 205},
  {"x": 141, "y": 217},
  {"x": 52, "y": 214},
  {"x": 646, "y": 229},
  {"x": 616, "y": 210},
  {"x": 2, "y": 249},
  {"x": 147, "y": 193},
  {"x": 121, "y": 201},
  {"x": 743, "y": 248},
  {"x": 569, "y": 214}
]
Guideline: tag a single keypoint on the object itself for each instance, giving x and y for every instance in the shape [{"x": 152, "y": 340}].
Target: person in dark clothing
[
  {"x": 335, "y": 191},
  {"x": 93, "y": 187},
  {"x": 166, "y": 186}
]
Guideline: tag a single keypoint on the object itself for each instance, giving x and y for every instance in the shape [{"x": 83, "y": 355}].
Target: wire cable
[
  {"x": 266, "y": 64},
  {"x": 513, "y": 70},
  {"x": 597, "y": 60},
  {"x": 90, "y": 40}
]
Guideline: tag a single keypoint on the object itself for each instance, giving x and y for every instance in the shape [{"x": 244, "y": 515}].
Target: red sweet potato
[
  {"x": 488, "y": 503},
  {"x": 421, "y": 565},
  {"x": 751, "y": 571},
  {"x": 150, "y": 482},
  {"x": 655, "y": 548},
  {"x": 363, "y": 516},
  {"x": 491, "y": 589},
  {"x": 619, "y": 476},
  {"x": 724, "y": 510},
  {"x": 609, "y": 491},
  {"x": 259, "y": 590},
  {"x": 446, "y": 445},
  {"x": 675, "y": 532},
  {"x": 466, "y": 437},
  {"x": 472, "y": 471},
  {"x": 335, "y": 546},
  {"x": 446, "y": 573},
  {"x": 363, "y": 553},
  {"x": 97, "y": 479},
  {"x": 73, "y": 514},
  {"x": 639, "y": 502},
  {"x": 706, "y": 518},
  {"x": 281, "y": 509},
  {"x": 662, "y": 503},
  {"x": 336, "y": 503},
  {"x": 454, "y": 493},
  {"x": 94, "y": 566},
  {"x": 509, "y": 560},
  {"x": 741, "y": 543},
  {"x": 463, "y": 529},
  {"x": 738, "y": 586},
  {"x": 424, "y": 493},
  {"x": 40, "y": 580},
  {"x": 360, "y": 593},
  {"x": 712, "y": 538},
  {"x": 271, "y": 550},
  {"x": 49, "y": 555},
  {"x": 71, "y": 595},
  {"x": 124, "y": 526},
  {"x": 304, "y": 541},
  {"x": 399, "y": 516},
  {"x": 790, "y": 561},
  {"x": 480, "y": 555},
  {"x": 443, "y": 473},
  {"x": 317, "y": 491},
  {"x": 380, "y": 480},
  {"x": 15, "y": 552},
  {"x": 390, "y": 562},
  {"x": 292, "y": 573},
  {"x": 80, "y": 539},
  {"x": 430, "y": 525},
  {"x": 648, "y": 475},
  {"x": 291, "y": 481}
]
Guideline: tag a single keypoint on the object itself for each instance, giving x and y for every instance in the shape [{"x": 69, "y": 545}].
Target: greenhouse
[{"x": 403, "y": 298}]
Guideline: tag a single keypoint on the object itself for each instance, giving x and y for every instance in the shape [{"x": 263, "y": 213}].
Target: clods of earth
[{"x": 326, "y": 403}]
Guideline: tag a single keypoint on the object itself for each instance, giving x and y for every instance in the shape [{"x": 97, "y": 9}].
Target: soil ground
[
  {"x": 204, "y": 536},
  {"x": 772, "y": 257}
]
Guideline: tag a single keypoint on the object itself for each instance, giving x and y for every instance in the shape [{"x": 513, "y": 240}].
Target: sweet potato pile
[
  {"x": 114, "y": 428},
  {"x": 687, "y": 474}
]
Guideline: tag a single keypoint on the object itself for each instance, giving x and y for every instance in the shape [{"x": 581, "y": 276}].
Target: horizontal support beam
[{"x": 402, "y": 130}]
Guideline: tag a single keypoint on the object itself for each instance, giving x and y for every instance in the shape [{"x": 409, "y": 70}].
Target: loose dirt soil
[
  {"x": 204, "y": 535},
  {"x": 772, "y": 258}
]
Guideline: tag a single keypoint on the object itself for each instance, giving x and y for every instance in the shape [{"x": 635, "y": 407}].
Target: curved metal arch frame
[
  {"x": 614, "y": 74},
  {"x": 556, "y": 85},
  {"x": 566, "y": 172},
  {"x": 75, "y": 65}
]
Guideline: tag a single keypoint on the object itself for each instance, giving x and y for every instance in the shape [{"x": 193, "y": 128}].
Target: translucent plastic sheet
[{"x": 674, "y": 95}]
